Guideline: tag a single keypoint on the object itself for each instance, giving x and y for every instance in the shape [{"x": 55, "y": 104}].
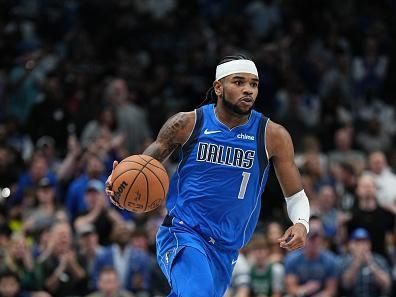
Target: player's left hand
[
  {"x": 108, "y": 187},
  {"x": 294, "y": 237}
]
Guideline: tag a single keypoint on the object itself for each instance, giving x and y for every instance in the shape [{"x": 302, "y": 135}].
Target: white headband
[{"x": 235, "y": 66}]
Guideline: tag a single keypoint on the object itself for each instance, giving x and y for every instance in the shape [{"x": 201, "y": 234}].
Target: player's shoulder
[
  {"x": 277, "y": 137},
  {"x": 276, "y": 130},
  {"x": 183, "y": 118}
]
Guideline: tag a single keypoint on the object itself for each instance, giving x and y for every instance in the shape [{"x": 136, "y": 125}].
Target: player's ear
[{"x": 218, "y": 87}]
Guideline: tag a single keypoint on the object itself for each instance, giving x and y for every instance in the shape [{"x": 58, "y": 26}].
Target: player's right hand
[
  {"x": 294, "y": 237},
  {"x": 108, "y": 187}
]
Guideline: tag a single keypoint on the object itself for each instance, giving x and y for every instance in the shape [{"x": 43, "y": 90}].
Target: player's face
[{"x": 238, "y": 92}]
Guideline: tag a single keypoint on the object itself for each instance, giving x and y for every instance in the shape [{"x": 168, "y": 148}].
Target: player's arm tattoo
[{"x": 172, "y": 134}]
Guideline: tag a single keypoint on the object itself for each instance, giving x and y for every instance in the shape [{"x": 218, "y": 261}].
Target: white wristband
[{"x": 298, "y": 208}]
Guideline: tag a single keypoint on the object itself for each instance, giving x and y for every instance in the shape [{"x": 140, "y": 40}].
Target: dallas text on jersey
[{"x": 225, "y": 155}]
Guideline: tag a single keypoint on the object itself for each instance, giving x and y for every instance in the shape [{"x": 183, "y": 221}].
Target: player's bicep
[
  {"x": 282, "y": 154},
  {"x": 172, "y": 134}
]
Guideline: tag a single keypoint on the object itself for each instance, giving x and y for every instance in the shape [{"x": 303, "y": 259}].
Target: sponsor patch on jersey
[{"x": 245, "y": 136}]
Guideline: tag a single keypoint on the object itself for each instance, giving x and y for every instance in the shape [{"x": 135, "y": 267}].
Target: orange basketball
[{"x": 140, "y": 183}]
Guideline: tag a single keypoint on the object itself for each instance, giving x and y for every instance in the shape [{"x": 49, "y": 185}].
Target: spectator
[
  {"x": 263, "y": 16},
  {"x": 62, "y": 167},
  {"x": 385, "y": 180},
  {"x": 88, "y": 249},
  {"x": 46, "y": 146},
  {"x": 29, "y": 179},
  {"x": 11, "y": 287},
  {"x": 373, "y": 136},
  {"x": 62, "y": 272},
  {"x": 131, "y": 119},
  {"x": 266, "y": 278},
  {"x": 315, "y": 170},
  {"x": 99, "y": 213},
  {"x": 364, "y": 273},
  {"x": 311, "y": 271},
  {"x": 68, "y": 167},
  {"x": 379, "y": 222},
  {"x": 105, "y": 124},
  {"x": 25, "y": 80},
  {"x": 40, "y": 241},
  {"x": 331, "y": 217},
  {"x": 369, "y": 70},
  {"x": 43, "y": 213},
  {"x": 109, "y": 285},
  {"x": 343, "y": 151},
  {"x": 346, "y": 182},
  {"x": 75, "y": 202},
  {"x": 338, "y": 76},
  {"x": 18, "y": 259},
  {"x": 132, "y": 265},
  {"x": 139, "y": 239},
  {"x": 50, "y": 117}
]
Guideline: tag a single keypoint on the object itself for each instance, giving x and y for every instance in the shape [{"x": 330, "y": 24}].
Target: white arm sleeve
[{"x": 298, "y": 208}]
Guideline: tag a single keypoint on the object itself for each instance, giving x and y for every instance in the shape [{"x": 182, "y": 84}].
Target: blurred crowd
[{"x": 83, "y": 83}]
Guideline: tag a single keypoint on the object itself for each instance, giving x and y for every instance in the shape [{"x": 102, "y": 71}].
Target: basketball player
[{"x": 213, "y": 201}]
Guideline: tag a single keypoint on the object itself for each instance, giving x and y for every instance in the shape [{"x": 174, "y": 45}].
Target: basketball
[{"x": 140, "y": 183}]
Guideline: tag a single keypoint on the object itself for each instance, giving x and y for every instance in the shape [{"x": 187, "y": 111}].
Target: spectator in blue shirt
[
  {"x": 312, "y": 271},
  {"x": 75, "y": 202},
  {"x": 131, "y": 264},
  {"x": 363, "y": 272},
  {"x": 28, "y": 180}
]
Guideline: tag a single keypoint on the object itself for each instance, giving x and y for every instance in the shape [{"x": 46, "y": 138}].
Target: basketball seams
[
  {"x": 153, "y": 172},
  {"x": 140, "y": 171},
  {"x": 126, "y": 195},
  {"x": 130, "y": 161},
  {"x": 129, "y": 169},
  {"x": 140, "y": 156},
  {"x": 147, "y": 187},
  {"x": 145, "y": 174},
  {"x": 146, "y": 162},
  {"x": 130, "y": 187},
  {"x": 160, "y": 182}
]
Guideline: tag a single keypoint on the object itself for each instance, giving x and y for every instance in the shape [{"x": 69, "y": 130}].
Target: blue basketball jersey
[{"x": 216, "y": 189}]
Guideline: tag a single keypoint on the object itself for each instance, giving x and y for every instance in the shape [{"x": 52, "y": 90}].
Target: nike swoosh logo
[{"x": 207, "y": 132}]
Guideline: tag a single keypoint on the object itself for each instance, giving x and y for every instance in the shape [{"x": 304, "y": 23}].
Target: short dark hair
[
  {"x": 233, "y": 58},
  {"x": 108, "y": 269}
]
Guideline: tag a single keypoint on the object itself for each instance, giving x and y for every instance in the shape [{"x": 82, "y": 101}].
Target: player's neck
[{"x": 230, "y": 118}]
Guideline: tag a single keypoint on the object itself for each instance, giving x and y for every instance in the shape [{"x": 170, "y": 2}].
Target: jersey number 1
[{"x": 244, "y": 183}]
